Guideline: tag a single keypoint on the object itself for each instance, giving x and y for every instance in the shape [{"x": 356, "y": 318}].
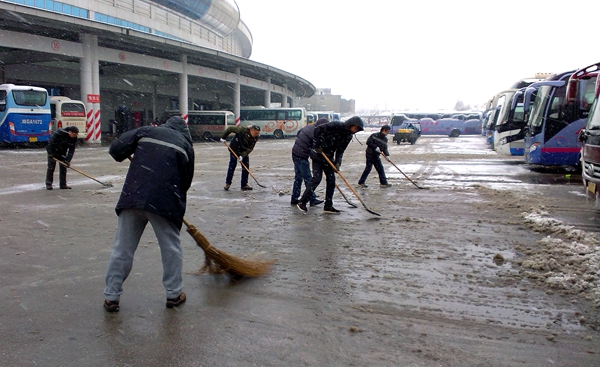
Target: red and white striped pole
[
  {"x": 89, "y": 124},
  {"x": 97, "y": 124}
]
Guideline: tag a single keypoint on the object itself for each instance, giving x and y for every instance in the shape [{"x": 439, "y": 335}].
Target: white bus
[
  {"x": 68, "y": 112},
  {"x": 205, "y": 125},
  {"x": 274, "y": 122}
]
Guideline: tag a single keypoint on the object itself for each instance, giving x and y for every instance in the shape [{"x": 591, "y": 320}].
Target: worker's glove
[
  {"x": 222, "y": 140},
  {"x": 240, "y": 158},
  {"x": 337, "y": 166},
  {"x": 68, "y": 164},
  {"x": 377, "y": 150}
]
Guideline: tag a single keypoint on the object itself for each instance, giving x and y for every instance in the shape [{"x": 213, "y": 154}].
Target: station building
[{"x": 137, "y": 58}]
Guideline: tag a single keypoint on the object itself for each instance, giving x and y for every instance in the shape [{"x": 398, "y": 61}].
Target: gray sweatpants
[{"x": 129, "y": 231}]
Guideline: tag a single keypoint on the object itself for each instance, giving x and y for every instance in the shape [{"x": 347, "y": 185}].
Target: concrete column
[
  {"x": 284, "y": 102},
  {"x": 183, "y": 89},
  {"x": 237, "y": 92},
  {"x": 267, "y": 102},
  {"x": 85, "y": 78}
]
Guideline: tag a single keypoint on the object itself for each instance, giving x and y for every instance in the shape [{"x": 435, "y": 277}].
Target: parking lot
[{"x": 419, "y": 286}]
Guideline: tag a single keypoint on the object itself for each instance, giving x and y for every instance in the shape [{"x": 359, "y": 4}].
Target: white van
[
  {"x": 68, "y": 112},
  {"x": 205, "y": 125}
]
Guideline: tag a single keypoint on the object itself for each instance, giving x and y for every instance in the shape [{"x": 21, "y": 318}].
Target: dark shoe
[
  {"x": 385, "y": 185},
  {"x": 294, "y": 202},
  {"x": 246, "y": 188},
  {"x": 226, "y": 188},
  {"x": 65, "y": 187},
  {"x": 316, "y": 202},
  {"x": 302, "y": 207},
  {"x": 331, "y": 210},
  {"x": 364, "y": 186},
  {"x": 111, "y": 306},
  {"x": 48, "y": 187},
  {"x": 174, "y": 302}
]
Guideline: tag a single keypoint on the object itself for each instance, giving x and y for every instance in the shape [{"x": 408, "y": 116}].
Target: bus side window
[
  {"x": 280, "y": 115},
  {"x": 2, "y": 100}
]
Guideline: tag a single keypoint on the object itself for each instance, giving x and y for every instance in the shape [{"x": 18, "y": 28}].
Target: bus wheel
[
  {"x": 278, "y": 134},
  {"x": 207, "y": 136},
  {"x": 455, "y": 133}
]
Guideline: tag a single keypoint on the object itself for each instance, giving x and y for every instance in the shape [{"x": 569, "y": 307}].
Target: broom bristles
[{"x": 217, "y": 261}]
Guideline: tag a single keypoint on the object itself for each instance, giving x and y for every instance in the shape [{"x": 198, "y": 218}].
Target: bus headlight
[
  {"x": 533, "y": 147},
  {"x": 502, "y": 141}
]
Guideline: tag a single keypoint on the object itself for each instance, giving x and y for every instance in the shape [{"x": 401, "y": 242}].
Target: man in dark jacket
[
  {"x": 61, "y": 146},
  {"x": 376, "y": 144},
  {"x": 155, "y": 191},
  {"x": 242, "y": 144},
  {"x": 300, "y": 155},
  {"x": 332, "y": 139}
]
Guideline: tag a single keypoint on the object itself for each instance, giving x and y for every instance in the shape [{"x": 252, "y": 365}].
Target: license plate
[
  {"x": 591, "y": 186},
  {"x": 33, "y": 139}
]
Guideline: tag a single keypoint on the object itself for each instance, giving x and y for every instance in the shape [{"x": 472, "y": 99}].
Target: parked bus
[
  {"x": 65, "y": 112},
  {"x": 509, "y": 122},
  {"x": 551, "y": 135},
  {"x": 277, "y": 122},
  {"x": 205, "y": 125},
  {"x": 311, "y": 118},
  {"x": 324, "y": 114},
  {"x": 24, "y": 114},
  {"x": 590, "y": 137}
]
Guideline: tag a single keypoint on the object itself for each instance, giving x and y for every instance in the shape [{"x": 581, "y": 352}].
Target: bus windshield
[
  {"x": 30, "y": 97},
  {"x": 594, "y": 116},
  {"x": 537, "y": 118}
]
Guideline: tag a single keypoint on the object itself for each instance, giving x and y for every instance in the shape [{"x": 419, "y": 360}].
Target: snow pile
[{"x": 567, "y": 260}]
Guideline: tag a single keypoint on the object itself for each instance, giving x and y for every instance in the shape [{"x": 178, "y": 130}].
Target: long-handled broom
[
  {"x": 348, "y": 184},
  {"x": 408, "y": 178},
  {"x": 217, "y": 261},
  {"x": 105, "y": 184}
]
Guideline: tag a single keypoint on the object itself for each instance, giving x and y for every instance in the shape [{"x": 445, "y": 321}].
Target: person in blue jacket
[
  {"x": 155, "y": 191},
  {"x": 300, "y": 155}
]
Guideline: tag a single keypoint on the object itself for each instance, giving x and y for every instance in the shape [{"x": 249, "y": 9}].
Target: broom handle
[
  {"x": 78, "y": 171},
  {"x": 343, "y": 178}
]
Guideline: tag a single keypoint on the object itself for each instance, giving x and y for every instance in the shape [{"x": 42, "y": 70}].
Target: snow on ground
[{"x": 567, "y": 260}]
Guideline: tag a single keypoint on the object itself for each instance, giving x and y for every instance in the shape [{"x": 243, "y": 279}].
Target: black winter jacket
[
  {"x": 161, "y": 170},
  {"x": 377, "y": 140},
  {"x": 333, "y": 137},
  {"x": 242, "y": 143},
  {"x": 61, "y": 145},
  {"x": 304, "y": 140}
]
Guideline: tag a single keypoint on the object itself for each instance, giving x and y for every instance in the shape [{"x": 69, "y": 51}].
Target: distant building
[{"x": 323, "y": 100}]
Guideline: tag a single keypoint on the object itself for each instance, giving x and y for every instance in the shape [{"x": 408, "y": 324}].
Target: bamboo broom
[{"x": 217, "y": 261}]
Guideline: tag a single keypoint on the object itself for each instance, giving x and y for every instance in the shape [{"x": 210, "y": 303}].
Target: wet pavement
[{"x": 415, "y": 287}]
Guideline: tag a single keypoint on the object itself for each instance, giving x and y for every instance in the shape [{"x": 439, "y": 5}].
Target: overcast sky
[{"x": 425, "y": 54}]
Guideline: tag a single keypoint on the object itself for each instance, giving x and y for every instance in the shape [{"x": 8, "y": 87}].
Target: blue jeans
[
  {"x": 301, "y": 173},
  {"x": 231, "y": 169},
  {"x": 129, "y": 231}
]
